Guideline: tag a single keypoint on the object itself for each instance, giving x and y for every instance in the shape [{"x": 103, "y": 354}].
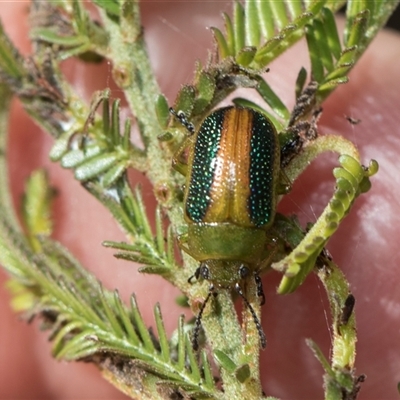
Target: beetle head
[
  {"x": 227, "y": 275},
  {"x": 222, "y": 273}
]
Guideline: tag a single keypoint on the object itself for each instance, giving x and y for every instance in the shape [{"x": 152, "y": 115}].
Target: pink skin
[{"x": 365, "y": 246}]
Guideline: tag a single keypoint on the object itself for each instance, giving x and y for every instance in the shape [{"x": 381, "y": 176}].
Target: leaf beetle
[{"x": 232, "y": 169}]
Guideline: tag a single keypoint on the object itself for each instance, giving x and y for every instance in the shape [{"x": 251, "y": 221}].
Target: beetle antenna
[
  {"x": 196, "y": 331},
  {"x": 261, "y": 333},
  {"x": 181, "y": 116},
  {"x": 260, "y": 290}
]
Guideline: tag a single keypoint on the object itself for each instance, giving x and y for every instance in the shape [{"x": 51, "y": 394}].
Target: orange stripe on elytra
[
  {"x": 241, "y": 190},
  {"x": 230, "y": 190}
]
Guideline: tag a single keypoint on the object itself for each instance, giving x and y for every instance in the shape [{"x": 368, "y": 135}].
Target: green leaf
[
  {"x": 252, "y": 23},
  {"x": 223, "y": 48},
  {"x": 36, "y": 207},
  {"x": 273, "y": 100},
  {"x": 61, "y": 145},
  {"x": 320, "y": 357},
  {"x": 109, "y": 314},
  {"x": 358, "y": 29},
  {"x": 142, "y": 329},
  {"x": 239, "y": 27},
  {"x": 224, "y": 361},
  {"x": 178, "y": 342},
  {"x": 191, "y": 357},
  {"x": 349, "y": 177},
  {"x": 208, "y": 376},
  {"x": 243, "y": 373},
  {"x": 22, "y": 298},
  {"x": 269, "y": 26},
  {"x": 50, "y": 36},
  {"x": 317, "y": 66},
  {"x": 77, "y": 157},
  {"x": 118, "y": 203},
  {"x": 185, "y": 100},
  {"x": 246, "y": 56},
  {"x": 126, "y": 138},
  {"x": 205, "y": 92},
  {"x": 266, "y": 18},
  {"x": 230, "y": 35},
  {"x": 319, "y": 33},
  {"x": 331, "y": 32},
  {"x": 164, "y": 345},
  {"x": 162, "y": 111},
  {"x": 94, "y": 166},
  {"x": 6, "y": 202},
  {"x": 340, "y": 375},
  {"x": 110, "y": 6},
  {"x": 157, "y": 252},
  {"x": 123, "y": 314},
  {"x": 114, "y": 173},
  {"x": 11, "y": 61},
  {"x": 279, "y": 14}
]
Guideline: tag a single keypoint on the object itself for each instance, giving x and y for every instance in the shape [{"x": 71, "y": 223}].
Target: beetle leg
[
  {"x": 195, "y": 275},
  {"x": 190, "y": 279},
  {"x": 261, "y": 334},
  {"x": 181, "y": 116}
]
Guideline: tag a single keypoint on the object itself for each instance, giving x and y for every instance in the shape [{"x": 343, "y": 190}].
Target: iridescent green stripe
[
  {"x": 202, "y": 170},
  {"x": 264, "y": 167}
]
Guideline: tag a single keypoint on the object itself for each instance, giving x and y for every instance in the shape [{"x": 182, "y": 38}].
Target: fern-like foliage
[
  {"x": 330, "y": 60},
  {"x": 100, "y": 151},
  {"x": 83, "y": 37},
  {"x": 89, "y": 322},
  {"x": 155, "y": 253},
  {"x": 352, "y": 179},
  {"x": 261, "y": 30}
]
